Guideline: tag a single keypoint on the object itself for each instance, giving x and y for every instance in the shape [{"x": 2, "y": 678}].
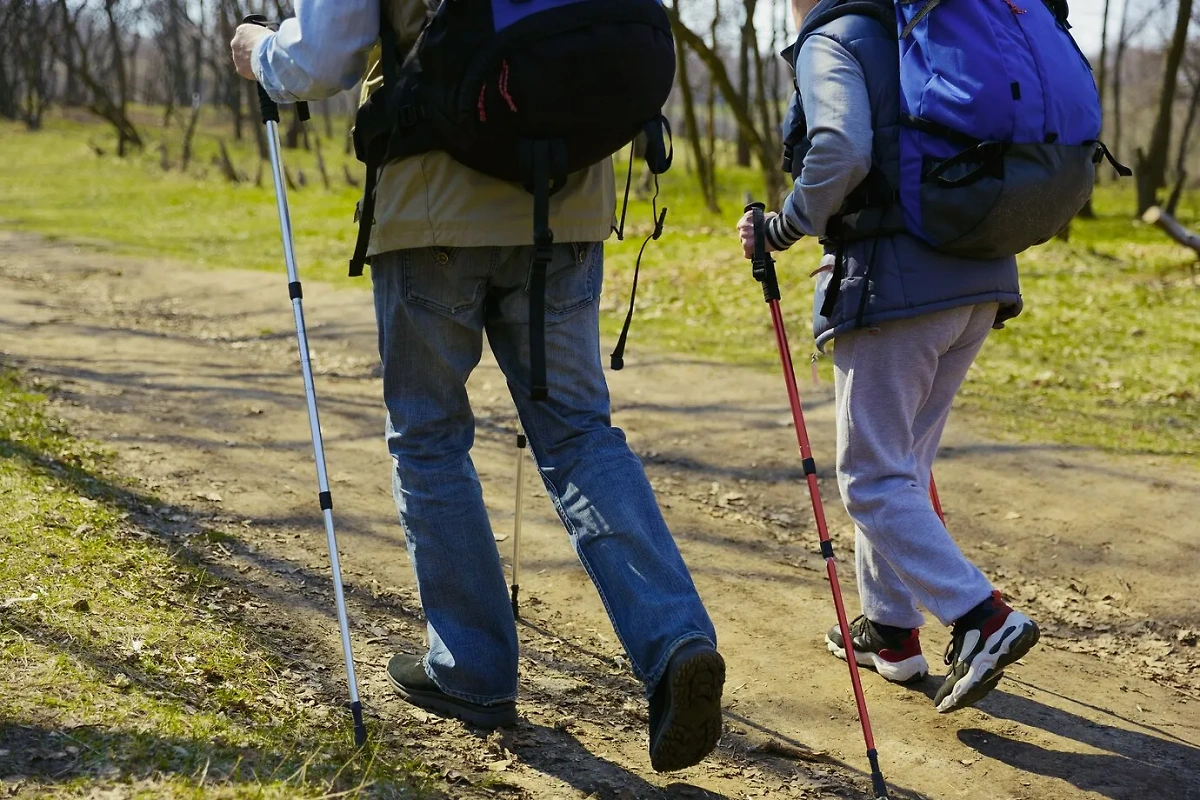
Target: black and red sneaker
[
  {"x": 984, "y": 641},
  {"x": 895, "y": 653}
]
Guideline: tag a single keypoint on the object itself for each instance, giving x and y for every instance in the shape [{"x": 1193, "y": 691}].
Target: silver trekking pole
[
  {"x": 519, "y": 509},
  {"x": 270, "y": 117}
]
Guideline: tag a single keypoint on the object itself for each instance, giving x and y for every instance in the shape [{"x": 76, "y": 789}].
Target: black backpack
[{"x": 527, "y": 91}]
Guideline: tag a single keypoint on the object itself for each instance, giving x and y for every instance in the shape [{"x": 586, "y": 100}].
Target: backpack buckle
[{"x": 543, "y": 247}]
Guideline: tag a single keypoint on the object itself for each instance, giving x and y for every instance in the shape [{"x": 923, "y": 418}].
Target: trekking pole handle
[
  {"x": 267, "y": 107},
  {"x": 761, "y": 264}
]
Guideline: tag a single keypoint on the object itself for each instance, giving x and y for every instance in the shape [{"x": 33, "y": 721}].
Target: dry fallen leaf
[{"x": 12, "y": 601}]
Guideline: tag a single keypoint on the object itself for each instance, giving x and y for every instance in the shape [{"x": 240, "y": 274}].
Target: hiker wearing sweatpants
[
  {"x": 450, "y": 254},
  {"x": 907, "y": 322}
]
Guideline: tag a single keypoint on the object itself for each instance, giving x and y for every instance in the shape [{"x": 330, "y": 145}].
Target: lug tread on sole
[{"x": 696, "y": 688}]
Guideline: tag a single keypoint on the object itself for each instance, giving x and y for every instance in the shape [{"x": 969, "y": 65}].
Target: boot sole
[
  {"x": 986, "y": 681},
  {"x": 489, "y": 717},
  {"x": 693, "y": 725}
]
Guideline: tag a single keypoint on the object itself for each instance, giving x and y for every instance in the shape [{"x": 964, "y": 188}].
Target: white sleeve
[{"x": 320, "y": 51}]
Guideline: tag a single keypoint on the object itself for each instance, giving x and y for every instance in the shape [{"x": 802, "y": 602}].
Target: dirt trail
[{"x": 191, "y": 377}]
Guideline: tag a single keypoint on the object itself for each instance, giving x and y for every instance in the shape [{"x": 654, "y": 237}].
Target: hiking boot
[
  {"x": 895, "y": 653},
  {"x": 408, "y": 676},
  {"x": 685, "y": 709},
  {"x": 984, "y": 641}
]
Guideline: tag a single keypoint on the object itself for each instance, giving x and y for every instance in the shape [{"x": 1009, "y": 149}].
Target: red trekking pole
[
  {"x": 764, "y": 272},
  {"x": 937, "y": 501}
]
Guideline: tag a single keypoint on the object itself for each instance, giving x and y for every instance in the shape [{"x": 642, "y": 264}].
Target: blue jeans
[{"x": 432, "y": 307}]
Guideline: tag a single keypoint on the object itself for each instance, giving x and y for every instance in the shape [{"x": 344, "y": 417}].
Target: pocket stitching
[
  {"x": 589, "y": 264},
  {"x": 416, "y": 297}
]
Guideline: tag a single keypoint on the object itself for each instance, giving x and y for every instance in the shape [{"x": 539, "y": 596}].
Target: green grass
[
  {"x": 1104, "y": 355},
  {"x": 128, "y": 667}
]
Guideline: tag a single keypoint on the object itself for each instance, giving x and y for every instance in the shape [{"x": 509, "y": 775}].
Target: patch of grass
[
  {"x": 125, "y": 666},
  {"x": 54, "y": 184},
  {"x": 1104, "y": 355}
]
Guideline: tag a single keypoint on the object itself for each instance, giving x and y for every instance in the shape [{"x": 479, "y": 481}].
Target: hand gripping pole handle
[
  {"x": 267, "y": 107},
  {"x": 762, "y": 266}
]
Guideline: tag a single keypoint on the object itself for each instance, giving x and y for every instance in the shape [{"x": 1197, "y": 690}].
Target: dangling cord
[
  {"x": 618, "y": 354},
  {"x": 619, "y": 230}
]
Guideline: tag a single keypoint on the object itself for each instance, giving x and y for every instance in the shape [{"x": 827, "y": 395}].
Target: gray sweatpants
[{"x": 895, "y": 384}]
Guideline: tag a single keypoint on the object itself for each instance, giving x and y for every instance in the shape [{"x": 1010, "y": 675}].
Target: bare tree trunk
[
  {"x": 1185, "y": 140},
  {"x": 768, "y": 160},
  {"x": 743, "y": 141},
  {"x": 1156, "y": 216},
  {"x": 1102, "y": 75},
  {"x": 778, "y": 38},
  {"x": 198, "y": 53},
  {"x": 8, "y": 100},
  {"x": 711, "y": 110},
  {"x": 1101, "y": 80},
  {"x": 227, "y": 15},
  {"x": 1128, "y": 31},
  {"x": 118, "y": 63},
  {"x": 769, "y": 129},
  {"x": 103, "y": 104},
  {"x": 327, "y": 118},
  {"x": 226, "y": 163},
  {"x": 321, "y": 163},
  {"x": 37, "y": 64},
  {"x": 186, "y": 155},
  {"x": 8, "y": 77},
  {"x": 72, "y": 94},
  {"x": 703, "y": 167},
  {"x": 1117, "y": 78},
  {"x": 1152, "y": 162}
]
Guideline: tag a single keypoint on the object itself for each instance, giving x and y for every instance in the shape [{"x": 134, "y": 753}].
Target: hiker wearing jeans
[
  {"x": 908, "y": 322},
  {"x": 450, "y": 256}
]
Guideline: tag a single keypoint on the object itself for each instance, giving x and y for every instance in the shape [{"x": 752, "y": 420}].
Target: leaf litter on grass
[{"x": 131, "y": 670}]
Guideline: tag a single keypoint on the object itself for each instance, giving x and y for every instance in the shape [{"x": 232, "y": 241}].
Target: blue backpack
[
  {"x": 527, "y": 91},
  {"x": 999, "y": 126}
]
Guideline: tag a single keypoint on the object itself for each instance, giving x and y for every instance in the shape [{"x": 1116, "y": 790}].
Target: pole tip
[
  {"x": 516, "y": 606},
  {"x": 360, "y": 728},
  {"x": 878, "y": 784}
]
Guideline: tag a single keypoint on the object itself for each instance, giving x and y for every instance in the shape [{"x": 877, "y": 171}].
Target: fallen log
[{"x": 1171, "y": 226}]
